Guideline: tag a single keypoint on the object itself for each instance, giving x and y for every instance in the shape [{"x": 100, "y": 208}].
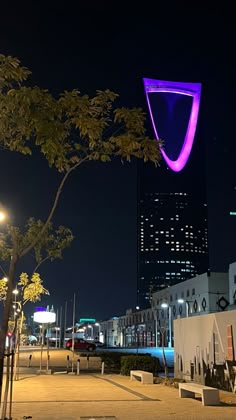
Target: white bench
[
  {"x": 210, "y": 396},
  {"x": 146, "y": 377}
]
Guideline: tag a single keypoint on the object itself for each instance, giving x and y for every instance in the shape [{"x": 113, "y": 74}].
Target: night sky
[{"x": 107, "y": 45}]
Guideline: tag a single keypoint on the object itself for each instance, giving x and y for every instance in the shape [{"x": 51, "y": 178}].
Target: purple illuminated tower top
[{"x": 179, "y": 88}]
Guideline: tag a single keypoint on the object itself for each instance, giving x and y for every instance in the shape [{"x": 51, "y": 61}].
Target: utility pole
[
  {"x": 60, "y": 326},
  {"x": 73, "y": 334},
  {"x": 65, "y": 320}
]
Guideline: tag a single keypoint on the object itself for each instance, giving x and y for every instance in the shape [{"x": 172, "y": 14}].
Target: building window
[
  {"x": 193, "y": 291},
  {"x": 234, "y": 279}
]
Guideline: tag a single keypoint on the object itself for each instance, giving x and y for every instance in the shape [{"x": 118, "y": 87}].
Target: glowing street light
[
  {"x": 165, "y": 306},
  {"x": 15, "y": 292},
  {"x": 2, "y": 216},
  {"x": 187, "y": 302}
]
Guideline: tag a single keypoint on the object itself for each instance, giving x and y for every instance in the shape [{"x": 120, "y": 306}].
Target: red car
[{"x": 80, "y": 344}]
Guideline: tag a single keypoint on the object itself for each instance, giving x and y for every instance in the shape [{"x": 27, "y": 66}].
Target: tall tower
[{"x": 172, "y": 209}]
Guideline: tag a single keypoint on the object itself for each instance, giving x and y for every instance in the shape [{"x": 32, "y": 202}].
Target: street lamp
[
  {"x": 2, "y": 216},
  {"x": 165, "y": 306},
  {"x": 15, "y": 292},
  {"x": 187, "y": 302}
]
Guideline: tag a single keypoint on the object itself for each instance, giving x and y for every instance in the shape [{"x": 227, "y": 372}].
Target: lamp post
[
  {"x": 166, "y": 306},
  {"x": 137, "y": 330},
  {"x": 2, "y": 216},
  {"x": 187, "y": 302},
  {"x": 73, "y": 334},
  {"x": 15, "y": 292}
]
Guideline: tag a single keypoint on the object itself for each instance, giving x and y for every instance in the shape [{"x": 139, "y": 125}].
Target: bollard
[
  {"x": 78, "y": 365},
  {"x": 102, "y": 372},
  {"x": 87, "y": 362},
  {"x": 68, "y": 358},
  {"x": 30, "y": 357},
  {"x": 48, "y": 358}
]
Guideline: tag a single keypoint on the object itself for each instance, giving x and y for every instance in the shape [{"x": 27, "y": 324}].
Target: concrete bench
[
  {"x": 210, "y": 396},
  {"x": 146, "y": 377}
]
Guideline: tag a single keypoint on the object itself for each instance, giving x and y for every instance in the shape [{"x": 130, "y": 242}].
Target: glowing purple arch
[{"x": 189, "y": 89}]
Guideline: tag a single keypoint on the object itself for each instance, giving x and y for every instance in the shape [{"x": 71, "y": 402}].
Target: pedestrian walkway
[{"x": 116, "y": 397}]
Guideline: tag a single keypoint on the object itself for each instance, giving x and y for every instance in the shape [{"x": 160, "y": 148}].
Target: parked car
[{"x": 80, "y": 344}]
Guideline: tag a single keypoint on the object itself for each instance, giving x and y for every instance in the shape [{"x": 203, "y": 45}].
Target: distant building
[{"x": 172, "y": 241}]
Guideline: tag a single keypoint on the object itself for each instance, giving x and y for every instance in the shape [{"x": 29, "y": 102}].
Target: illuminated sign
[
  {"x": 87, "y": 320},
  {"x": 44, "y": 317}
]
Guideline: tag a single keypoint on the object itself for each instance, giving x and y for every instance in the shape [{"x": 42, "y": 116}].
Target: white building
[{"x": 204, "y": 294}]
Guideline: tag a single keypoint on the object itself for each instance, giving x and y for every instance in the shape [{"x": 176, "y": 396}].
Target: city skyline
[{"x": 92, "y": 47}]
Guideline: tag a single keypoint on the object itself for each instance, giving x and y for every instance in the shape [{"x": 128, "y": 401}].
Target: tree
[
  {"x": 68, "y": 130},
  {"x": 29, "y": 288}
]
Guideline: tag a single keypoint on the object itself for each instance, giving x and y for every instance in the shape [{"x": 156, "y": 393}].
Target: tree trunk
[{"x": 6, "y": 316}]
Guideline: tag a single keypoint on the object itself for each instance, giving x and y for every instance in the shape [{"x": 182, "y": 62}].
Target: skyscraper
[{"x": 172, "y": 209}]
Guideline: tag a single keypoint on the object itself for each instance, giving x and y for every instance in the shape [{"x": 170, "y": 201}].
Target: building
[
  {"x": 172, "y": 239},
  {"x": 172, "y": 206},
  {"x": 203, "y": 294},
  {"x": 109, "y": 332},
  {"x": 232, "y": 285}
]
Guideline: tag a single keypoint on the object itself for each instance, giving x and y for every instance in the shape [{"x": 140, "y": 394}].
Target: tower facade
[{"x": 172, "y": 209}]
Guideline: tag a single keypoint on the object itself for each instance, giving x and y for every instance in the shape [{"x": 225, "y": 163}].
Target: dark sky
[{"x": 94, "y": 45}]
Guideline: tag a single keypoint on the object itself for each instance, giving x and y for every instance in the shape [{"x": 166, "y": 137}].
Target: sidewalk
[{"x": 96, "y": 396}]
